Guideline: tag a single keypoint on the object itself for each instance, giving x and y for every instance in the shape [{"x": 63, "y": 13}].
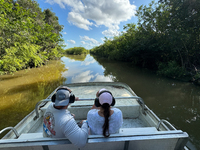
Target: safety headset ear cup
[
  {"x": 71, "y": 98},
  {"x": 113, "y": 102},
  {"x": 96, "y": 102},
  {"x": 53, "y": 98}
]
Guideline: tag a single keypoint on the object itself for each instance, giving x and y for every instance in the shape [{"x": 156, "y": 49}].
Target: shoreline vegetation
[
  {"x": 29, "y": 36},
  {"x": 76, "y": 51},
  {"x": 165, "y": 39}
]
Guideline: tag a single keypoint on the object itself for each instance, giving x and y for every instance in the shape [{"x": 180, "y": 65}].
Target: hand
[
  {"x": 65, "y": 87},
  {"x": 77, "y": 99},
  {"x": 83, "y": 121},
  {"x": 97, "y": 94},
  {"x": 73, "y": 115},
  {"x": 94, "y": 107},
  {"x": 80, "y": 123}
]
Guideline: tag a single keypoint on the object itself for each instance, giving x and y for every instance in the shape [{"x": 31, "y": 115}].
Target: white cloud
[
  {"x": 102, "y": 78},
  {"x": 90, "y": 42},
  {"x": 76, "y": 4},
  {"x": 83, "y": 42},
  {"x": 111, "y": 32},
  {"x": 65, "y": 44},
  {"x": 110, "y": 13},
  {"x": 83, "y": 77},
  {"x": 79, "y": 21},
  {"x": 87, "y": 76},
  {"x": 86, "y": 38},
  {"x": 64, "y": 32},
  {"x": 88, "y": 60},
  {"x": 71, "y": 41},
  {"x": 86, "y": 63},
  {"x": 103, "y": 39}
]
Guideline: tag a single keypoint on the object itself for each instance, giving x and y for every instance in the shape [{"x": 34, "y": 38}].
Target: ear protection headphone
[
  {"x": 71, "y": 96},
  {"x": 96, "y": 101}
]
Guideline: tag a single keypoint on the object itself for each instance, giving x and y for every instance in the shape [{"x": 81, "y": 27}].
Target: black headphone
[
  {"x": 96, "y": 101},
  {"x": 71, "y": 96}
]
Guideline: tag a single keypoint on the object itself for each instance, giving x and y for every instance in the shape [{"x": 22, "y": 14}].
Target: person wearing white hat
[
  {"x": 102, "y": 119},
  {"x": 58, "y": 122}
]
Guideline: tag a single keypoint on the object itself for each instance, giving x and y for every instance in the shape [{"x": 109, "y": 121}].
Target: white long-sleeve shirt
[
  {"x": 59, "y": 123},
  {"x": 95, "y": 121}
]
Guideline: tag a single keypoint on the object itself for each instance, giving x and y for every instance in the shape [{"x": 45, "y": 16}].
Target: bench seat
[
  {"x": 129, "y": 107},
  {"x": 122, "y": 132}
]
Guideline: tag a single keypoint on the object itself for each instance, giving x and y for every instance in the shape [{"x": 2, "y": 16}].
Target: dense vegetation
[
  {"x": 28, "y": 36},
  {"x": 76, "y": 51},
  {"x": 166, "y": 39}
]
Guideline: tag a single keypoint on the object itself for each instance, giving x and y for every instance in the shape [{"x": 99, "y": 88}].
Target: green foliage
[
  {"x": 76, "y": 51},
  {"x": 167, "y": 32},
  {"x": 26, "y": 39},
  {"x": 171, "y": 69},
  {"x": 21, "y": 56},
  {"x": 52, "y": 19},
  {"x": 77, "y": 57}
]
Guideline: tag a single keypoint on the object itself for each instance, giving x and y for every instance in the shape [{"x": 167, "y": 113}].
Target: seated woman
[{"x": 102, "y": 119}]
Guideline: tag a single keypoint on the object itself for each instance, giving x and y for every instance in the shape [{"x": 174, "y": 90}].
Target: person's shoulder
[
  {"x": 50, "y": 108},
  {"x": 92, "y": 113},
  {"x": 116, "y": 110}
]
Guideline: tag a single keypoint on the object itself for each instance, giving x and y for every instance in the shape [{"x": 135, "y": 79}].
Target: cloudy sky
[{"x": 87, "y": 22}]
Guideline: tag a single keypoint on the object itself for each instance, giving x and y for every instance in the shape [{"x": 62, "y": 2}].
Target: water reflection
[
  {"x": 87, "y": 70},
  {"x": 178, "y": 102}
]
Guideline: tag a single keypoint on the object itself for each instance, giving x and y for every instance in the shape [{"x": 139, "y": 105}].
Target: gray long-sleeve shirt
[{"x": 61, "y": 124}]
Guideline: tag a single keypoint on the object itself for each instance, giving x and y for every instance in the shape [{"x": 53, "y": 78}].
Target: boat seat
[
  {"x": 131, "y": 132},
  {"x": 129, "y": 138},
  {"x": 31, "y": 135},
  {"x": 122, "y": 132},
  {"x": 138, "y": 130},
  {"x": 132, "y": 111}
]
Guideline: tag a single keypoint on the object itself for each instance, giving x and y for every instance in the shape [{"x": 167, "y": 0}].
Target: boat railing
[
  {"x": 139, "y": 99},
  {"x": 10, "y": 128},
  {"x": 141, "y": 102},
  {"x": 166, "y": 124},
  {"x": 36, "y": 107},
  {"x": 130, "y": 97}
]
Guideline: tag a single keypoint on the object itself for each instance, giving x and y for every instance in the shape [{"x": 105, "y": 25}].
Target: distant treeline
[
  {"x": 165, "y": 39},
  {"x": 28, "y": 36},
  {"x": 76, "y": 51}
]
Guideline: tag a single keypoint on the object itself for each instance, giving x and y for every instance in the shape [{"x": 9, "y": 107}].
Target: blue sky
[{"x": 87, "y": 22}]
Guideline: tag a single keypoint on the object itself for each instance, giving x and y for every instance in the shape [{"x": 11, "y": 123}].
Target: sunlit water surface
[{"x": 178, "y": 102}]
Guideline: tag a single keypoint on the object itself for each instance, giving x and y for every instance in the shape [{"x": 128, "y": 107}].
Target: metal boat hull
[{"x": 141, "y": 130}]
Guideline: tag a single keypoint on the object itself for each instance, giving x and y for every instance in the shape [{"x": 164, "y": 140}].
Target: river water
[{"x": 176, "y": 101}]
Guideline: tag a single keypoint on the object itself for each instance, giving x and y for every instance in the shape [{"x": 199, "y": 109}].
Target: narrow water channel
[{"x": 176, "y": 101}]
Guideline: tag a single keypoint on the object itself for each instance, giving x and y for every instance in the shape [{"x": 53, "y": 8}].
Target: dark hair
[{"x": 106, "y": 114}]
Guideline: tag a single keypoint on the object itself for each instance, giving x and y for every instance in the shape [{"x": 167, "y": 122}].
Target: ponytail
[{"x": 106, "y": 113}]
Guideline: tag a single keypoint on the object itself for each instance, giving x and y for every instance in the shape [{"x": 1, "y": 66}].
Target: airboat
[{"x": 142, "y": 129}]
